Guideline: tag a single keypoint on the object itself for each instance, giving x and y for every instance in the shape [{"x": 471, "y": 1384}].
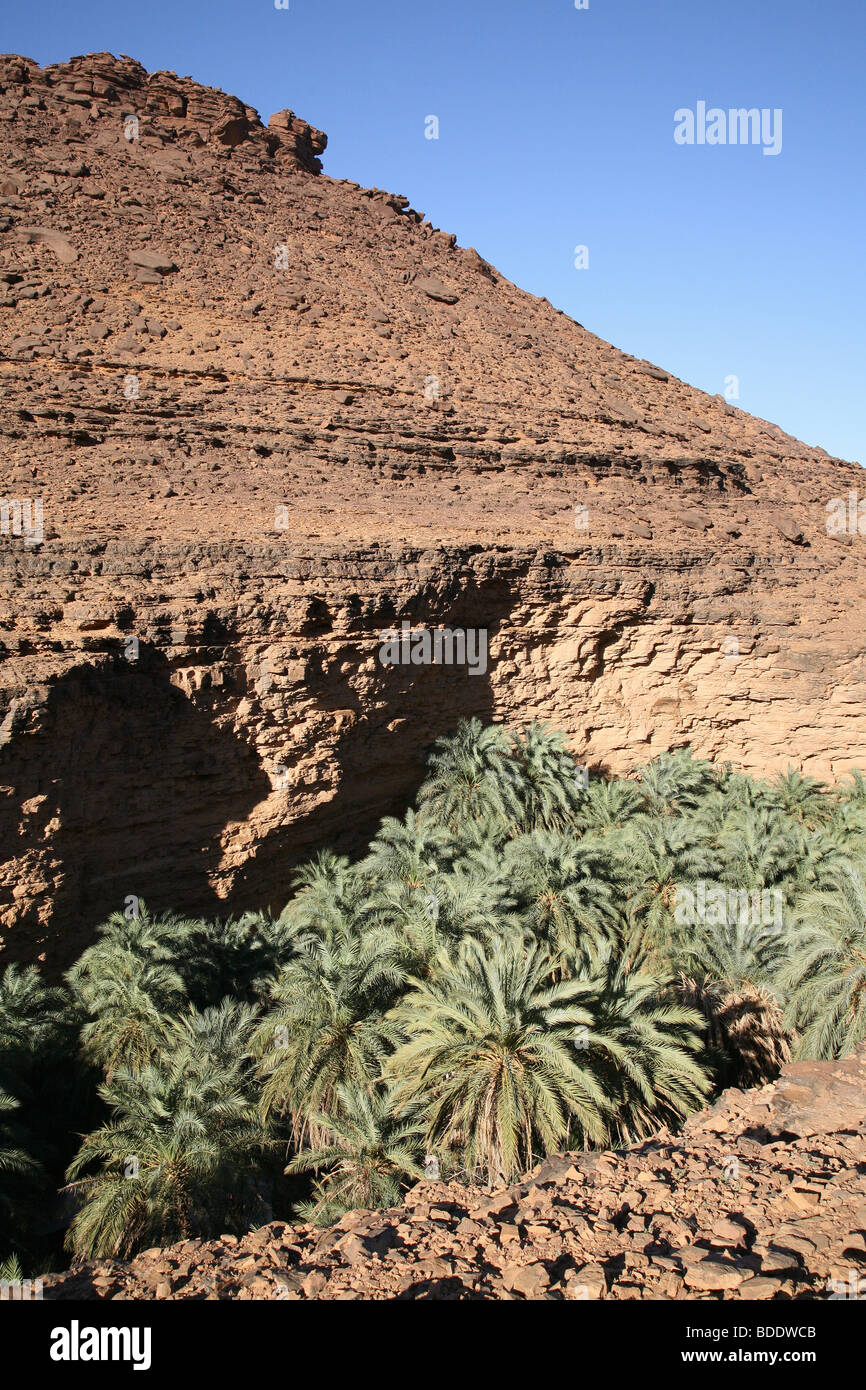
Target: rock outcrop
[
  {"x": 262, "y": 416},
  {"x": 762, "y": 1197}
]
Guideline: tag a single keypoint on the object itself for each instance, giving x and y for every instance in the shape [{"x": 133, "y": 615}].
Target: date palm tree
[
  {"x": 33, "y": 1019},
  {"x": 567, "y": 890},
  {"x": 729, "y": 972},
  {"x": 823, "y": 850},
  {"x": 24, "y": 1187},
  {"x": 171, "y": 1164},
  {"x": 470, "y": 899},
  {"x": 747, "y": 948},
  {"x": 644, "y": 1050},
  {"x": 825, "y": 975},
  {"x": 475, "y": 898},
  {"x": 220, "y": 1037},
  {"x": 674, "y": 782},
  {"x": 412, "y": 850},
  {"x": 235, "y": 955},
  {"x": 490, "y": 1059},
  {"x": 549, "y": 790},
  {"x": 855, "y": 793},
  {"x": 470, "y": 787},
  {"x": 46, "y": 1096},
  {"x": 129, "y": 985},
  {"x": 327, "y": 1024},
  {"x": 662, "y": 855},
  {"x": 411, "y": 925},
  {"x": 372, "y": 1153},
  {"x": 130, "y": 1000},
  {"x": 756, "y": 848},
  {"x": 11, "y": 1269},
  {"x": 742, "y": 792},
  {"x": 747, "y": 1043},
  {"x": 13, "y": 1157},
  {"x": 609, "y": 805},
  {"x": 802, "y": 799},
  {"x": 329, "y": 899}
]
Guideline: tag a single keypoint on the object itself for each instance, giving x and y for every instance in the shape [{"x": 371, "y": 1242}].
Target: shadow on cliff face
[
  {"x": 126, "y": 785},
  {"x": 381, "y": 755}
]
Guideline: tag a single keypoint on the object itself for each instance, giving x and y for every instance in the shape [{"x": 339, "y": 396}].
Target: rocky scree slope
[
  {"x": 269, "y": 414},
  {"x": 762, "y": 1197}
]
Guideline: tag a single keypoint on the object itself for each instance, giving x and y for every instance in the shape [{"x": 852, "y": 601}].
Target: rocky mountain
[
  {"x": 252, "y": 418},
  {"x": 762, "y": 1197}
]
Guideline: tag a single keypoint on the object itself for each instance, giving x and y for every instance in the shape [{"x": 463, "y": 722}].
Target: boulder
[
  {"x": 54, "y": 240},
  {"x": 159, "y": 261},
  {"x": 435, "y": 289}
]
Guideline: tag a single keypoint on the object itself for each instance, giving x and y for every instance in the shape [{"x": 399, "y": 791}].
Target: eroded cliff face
[{"x": 269, "y": 415}]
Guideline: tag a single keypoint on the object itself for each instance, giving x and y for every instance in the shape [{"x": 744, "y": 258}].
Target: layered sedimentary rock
[
  {"x": 762, "y": 1197},
  {"x": 253, "y": 417}
]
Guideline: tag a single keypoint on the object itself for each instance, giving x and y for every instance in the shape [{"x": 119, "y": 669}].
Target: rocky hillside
[
  {"x": 762, "y": 1197},
  {"x": 268, "y": 414}
]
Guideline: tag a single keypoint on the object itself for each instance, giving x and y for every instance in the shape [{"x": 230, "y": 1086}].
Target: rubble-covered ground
[{"x": 763, "y": 1196}]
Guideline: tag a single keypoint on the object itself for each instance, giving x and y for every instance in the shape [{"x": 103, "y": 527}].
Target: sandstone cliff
[{"x": 268, "y": 414}]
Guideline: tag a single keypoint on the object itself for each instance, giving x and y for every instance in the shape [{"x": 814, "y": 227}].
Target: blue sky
[{"x": 556, "y": 130}]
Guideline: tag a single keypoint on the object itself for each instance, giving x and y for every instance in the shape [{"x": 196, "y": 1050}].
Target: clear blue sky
[{"x": 556, "y": 129}]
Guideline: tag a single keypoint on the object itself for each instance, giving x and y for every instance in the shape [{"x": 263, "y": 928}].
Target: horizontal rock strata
[{"x": 267, "y": 414}]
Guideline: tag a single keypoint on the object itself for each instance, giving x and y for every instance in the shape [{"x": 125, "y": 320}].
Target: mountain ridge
[{"x": 269, "y": 414}]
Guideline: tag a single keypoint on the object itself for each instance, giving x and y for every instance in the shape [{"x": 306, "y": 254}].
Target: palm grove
[{"x": 507, "y": 972}]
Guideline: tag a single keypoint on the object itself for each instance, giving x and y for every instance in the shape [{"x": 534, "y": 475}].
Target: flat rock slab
[
  {"x": 436, "y": 289},
  {"x": 153, "y": 260},
  {"x": 55, "y": 241}
]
